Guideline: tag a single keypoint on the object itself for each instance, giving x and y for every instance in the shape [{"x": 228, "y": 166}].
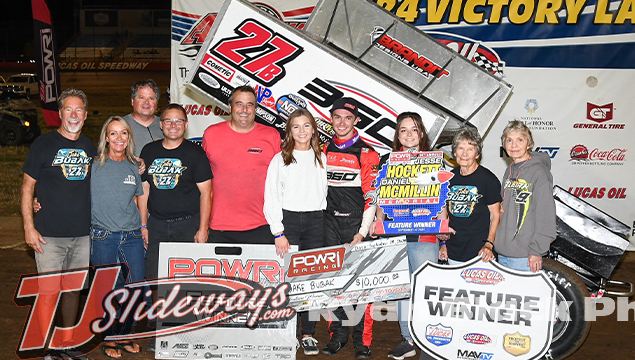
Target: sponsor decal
[
  {"x": 533, "y": 120},
  {"x": 401, "y": 212},
  {"x": 48, "y": 89},
  {"x": 580, "y": 155},
  {"x": 477, "y": 339},
  {"x": 597, "y": 192},
  {"x": 163, "y": 344},
  {"x": 482, "y": 276},
  {"x": 316, "y": 262},
  {"x": 599, "y": 115},
  {"x": 406, "y": 55},
  {"x": 264, "y": 97},
  {"x": 283, "y": 348},
  {"x": 202, "y": 109},
  {"x": 420, "y": 212},
  {"x": 182, "y": 346},
  {"x": 287, "y": 104},
  {"x": 473, "y": 355},
  {"x": 256, "y": 270},
  {"x": 551, "y": 151},
  {"x": 219, "y": 68},
  {"x": 438, "y": 334},
  {"x": 209, "y": 355},
  {"x": 212, "y": 347},
  {"x": 209, "y": 80},
  {"x": 245, "y": 51},
  {"x": 516, "y": 343},
  {"x": 180, "y": 354},
  {"x": 473, "y": 50},
  {"x": 198, "y": 347}
]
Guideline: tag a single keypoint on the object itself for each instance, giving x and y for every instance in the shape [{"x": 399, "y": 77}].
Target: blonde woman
[{"x": 115, "y": 233}]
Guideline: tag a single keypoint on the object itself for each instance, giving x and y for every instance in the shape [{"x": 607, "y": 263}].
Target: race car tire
[
  {"x": 568, "y": 336},
  {"x": 10, "y": 134}
]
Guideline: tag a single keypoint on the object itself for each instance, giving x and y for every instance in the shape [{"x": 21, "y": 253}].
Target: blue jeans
[
  {"x": 111, "y": 247},
  {"x": 521, "y": 264},
  {"x": 418, "y": 253}
]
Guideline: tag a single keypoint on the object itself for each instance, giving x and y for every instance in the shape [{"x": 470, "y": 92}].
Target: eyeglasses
[{"x": 178, "y": 122}]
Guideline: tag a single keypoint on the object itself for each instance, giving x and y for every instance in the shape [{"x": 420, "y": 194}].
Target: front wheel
[{"x": 569, "y": 329}]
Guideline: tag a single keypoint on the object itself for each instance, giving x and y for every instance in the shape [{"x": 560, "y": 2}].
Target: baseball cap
[{"x": 346, "y": 103}]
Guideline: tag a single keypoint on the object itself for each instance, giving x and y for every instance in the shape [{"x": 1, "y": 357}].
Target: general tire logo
[{"x": 599, "y": 113}]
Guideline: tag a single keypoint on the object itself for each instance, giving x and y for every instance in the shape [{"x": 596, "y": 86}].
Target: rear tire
[
  {"x": 10, "y": 134},
  {"x": 569, "y": 335}
]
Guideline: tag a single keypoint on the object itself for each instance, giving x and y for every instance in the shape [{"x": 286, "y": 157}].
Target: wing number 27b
[{"x": 258, "y": 51}]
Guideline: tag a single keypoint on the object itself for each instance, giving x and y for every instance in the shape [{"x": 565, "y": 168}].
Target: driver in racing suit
[{"x": 352, "y": 167}]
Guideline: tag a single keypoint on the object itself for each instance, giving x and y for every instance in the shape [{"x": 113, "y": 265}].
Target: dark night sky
[{"x": 16, "y": 24}]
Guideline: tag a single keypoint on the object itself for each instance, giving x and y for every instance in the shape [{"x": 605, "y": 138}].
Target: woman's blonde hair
[
  {"x": 517, "y": 125},
  {"x": 102, "y": 148}
]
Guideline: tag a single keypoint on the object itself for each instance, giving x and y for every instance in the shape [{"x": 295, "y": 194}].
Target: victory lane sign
[{"x": 481, "y": 311}]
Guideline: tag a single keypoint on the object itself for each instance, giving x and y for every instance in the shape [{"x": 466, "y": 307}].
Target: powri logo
[{"x": 316, "y": 262}]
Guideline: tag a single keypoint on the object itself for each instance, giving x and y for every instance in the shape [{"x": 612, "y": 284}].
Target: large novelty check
[{"x": 335, "y": 276}]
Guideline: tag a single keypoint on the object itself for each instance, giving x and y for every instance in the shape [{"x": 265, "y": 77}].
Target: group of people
[{"x": 145, "y": 184}]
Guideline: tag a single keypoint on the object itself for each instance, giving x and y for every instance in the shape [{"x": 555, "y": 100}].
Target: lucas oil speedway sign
[
  {"x": 236, "y": 336},
  {"x": 411, "y": 190},
  {"x": 342, "y": 275},
  {"x": 290, "y": 71},
  {"x": 481, "y": 311}
]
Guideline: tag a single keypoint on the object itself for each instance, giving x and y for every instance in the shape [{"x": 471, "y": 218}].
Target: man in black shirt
[
  {"x": 177, "y": 187},
  {"x": 57, "y": 171}
]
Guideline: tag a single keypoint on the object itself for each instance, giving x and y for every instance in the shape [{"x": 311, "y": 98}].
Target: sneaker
[
  {"x": 403, "y": 350},
  {"x": 362, "y": 352},
  {"x": 332, "y": 347},
  {"x": 309, "y": 344}
]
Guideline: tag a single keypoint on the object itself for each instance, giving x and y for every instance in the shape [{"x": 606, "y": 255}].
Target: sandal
[
  {"x": 106, "y": 347},
  {"x": 129, "y": 346}
]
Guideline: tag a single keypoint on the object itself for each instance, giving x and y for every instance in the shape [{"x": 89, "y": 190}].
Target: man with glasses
[
  {"x": 176, "y": 200},
  {"x": 144, "y": 97},
  {"x": 239, "y": 152},
  {"x": 351, "y": 167},
  {"x": 57, "y": 171}
]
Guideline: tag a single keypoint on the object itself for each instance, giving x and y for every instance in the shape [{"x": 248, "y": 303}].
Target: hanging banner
[
  {"x": 48, "y": 71},
  {"x": 481, "y": 311}
]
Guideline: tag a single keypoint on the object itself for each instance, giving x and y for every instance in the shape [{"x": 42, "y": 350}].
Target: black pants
[
  {"x": 174, "y": 230},
  {"x": 258, "y": 236},
  {"x": 339, "y": 230},
  {"x": 306, "y": 230}
]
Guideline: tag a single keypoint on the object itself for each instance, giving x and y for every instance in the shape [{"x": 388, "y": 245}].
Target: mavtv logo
[{"x": 316, "y": 262}]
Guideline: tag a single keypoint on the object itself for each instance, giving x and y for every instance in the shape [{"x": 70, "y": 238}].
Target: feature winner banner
[
  {"x": 481, "y": 311},
  {"x": 411, "y": 190},
  {"x": 325, "y": 278},
  {"x": 289, "y": 70},
  {"x": 235, "y": 336}
]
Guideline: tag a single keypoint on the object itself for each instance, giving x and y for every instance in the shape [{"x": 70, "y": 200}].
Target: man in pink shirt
[{"x": 239, "y": 152}]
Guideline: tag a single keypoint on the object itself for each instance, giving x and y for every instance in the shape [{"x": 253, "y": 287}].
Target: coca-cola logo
[{"x": 581, "y": 152}]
